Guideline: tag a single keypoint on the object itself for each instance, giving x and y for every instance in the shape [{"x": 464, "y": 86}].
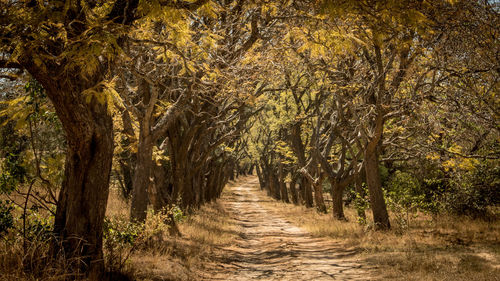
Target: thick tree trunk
[
  {"x": 337, "y": 194},
  {"x": 293, "y": 191},
  {"x": 306, "y": 192},
  {"x": 127, "y": 158},
  {"x": 142, "y": 175},
  {"x": 188, "y": 192},
  {"x": 84, "y": 192},
  {"x": 127, "y": 174},
  {"x": 83, "y": 197},
  {"x": 377, "y": 202},
  {"x": 213, "y": 181},
  {"x": 250, "y": 170},
  {"x": 282, "y": 184},
  {"x": 260, "y": 175},
  {"x": 318, "y": 197},
  {"x": 199, "y": 188},
  {"x": 266, "y": 172},
  {"x": 178, "y": 148},
  {"x": 299, "y": 150},
  {"x": 273, "y": 186},
  {"x": 160, "y": 196},
  {"x": 161, "y": 193},
  {"x": 187, "y": 195}
]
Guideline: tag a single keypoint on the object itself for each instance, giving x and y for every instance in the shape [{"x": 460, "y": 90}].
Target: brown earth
[{"x": 271, "y": 248}]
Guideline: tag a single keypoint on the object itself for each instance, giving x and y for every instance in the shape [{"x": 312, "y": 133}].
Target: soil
[{"x": 271, "y": 248}]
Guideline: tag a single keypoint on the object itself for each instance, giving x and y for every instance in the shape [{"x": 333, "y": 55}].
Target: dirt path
[{"x": 271, "y": 248}]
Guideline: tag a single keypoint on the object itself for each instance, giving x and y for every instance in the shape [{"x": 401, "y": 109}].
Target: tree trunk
[
  {"x": 318, "y": 197},
  {"x": 231, "y": 175},
  {"x": 377, "y": 202},
  {"x": 282, "y": 184},
  {"x": 337, "y": 194},
  {"x": 161, "y": 193},
  {"x": 306, "y": 192},
  {"x": 198, "y": 187},
  {"x": 250, "y": 170},
  {"x": 142, "y": 175},
  {"x": 127, "y": 173},
  {"x": 293, "y": 191},
  {"x": 83, "y": 197},
  {"x": 127, "y": 158},
  {"x": 268, "y": 181},
  {"x": 274, "y": 186},
  {"x": 262, "y": 182},
  {"x": 188, "y": 191},
  {"x": 84, "y": 192}
]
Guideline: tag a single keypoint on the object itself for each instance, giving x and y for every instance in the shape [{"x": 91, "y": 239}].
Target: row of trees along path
[{"x": 304, "y": 92}]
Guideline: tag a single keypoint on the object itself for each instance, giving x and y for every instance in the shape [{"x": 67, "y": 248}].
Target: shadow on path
[{"x": 270, "y": 248}]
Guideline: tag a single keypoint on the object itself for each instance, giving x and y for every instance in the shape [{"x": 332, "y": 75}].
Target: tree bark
[
  {"x": 318, "y": 197},
  {"x": 273, "y": 185},
  {"x": 262, "y": 182},
  {"x": 160, "y": 195},
  {"x": 282, "y": 184},
  {"x": 337, "y": 194},
  {"x": 377, "y": 202},
  {"x": 373, "y": 181},
  {"x": 84, "y": 192},
  {"x": 127, "y": 158},
  {"x": 293, "y": 191},
  {"x": 142, "y": 175},
  {"x": 306, "y": 191}
]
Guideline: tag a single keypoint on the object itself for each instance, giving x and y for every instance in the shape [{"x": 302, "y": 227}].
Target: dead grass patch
[
  {"x": 117, "y": 206},
  {"x": 184, "y": 258}
]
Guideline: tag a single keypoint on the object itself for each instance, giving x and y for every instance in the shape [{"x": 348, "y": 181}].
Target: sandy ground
[{"x": 271, "y": 248}]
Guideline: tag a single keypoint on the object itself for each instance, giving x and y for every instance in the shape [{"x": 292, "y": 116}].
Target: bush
[
  {"x": 404, "y": 196},
  {"x": 472, "y": 192},
  {"x": 121, "y": 230},
  {"x": 120, "y": 236},
  {"x": 6, "y": 218}
]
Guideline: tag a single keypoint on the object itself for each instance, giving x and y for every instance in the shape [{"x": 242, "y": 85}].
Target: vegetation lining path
[{"x": 271, "y": 248}]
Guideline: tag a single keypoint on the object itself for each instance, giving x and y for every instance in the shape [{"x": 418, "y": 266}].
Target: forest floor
[{"x": 269, "y": 247}]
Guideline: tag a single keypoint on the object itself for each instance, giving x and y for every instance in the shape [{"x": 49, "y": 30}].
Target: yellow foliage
[
  {"x": 16, "y": 110},
  {"x": 104, "y": 93},
  {"x": 159, "y": 156},
  {"x": 432, "y": 156}
]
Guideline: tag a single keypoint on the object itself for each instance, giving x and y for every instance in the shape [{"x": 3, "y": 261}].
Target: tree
[{"x": 69, "y": 48}]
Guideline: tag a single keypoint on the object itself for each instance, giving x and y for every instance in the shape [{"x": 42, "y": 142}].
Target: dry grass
[
  {"x": 183, "y": 258},
  {"x": 29, "y": 258},
  {"x": 439, "y": 248},
  {"x": 33, "y": 261},
  {"x": 154, "y": 256},
  {"x": 117, "y": 206}
]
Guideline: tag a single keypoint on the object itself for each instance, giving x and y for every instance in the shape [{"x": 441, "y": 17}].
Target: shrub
[
  {"x": 6, "y": 218},
  {"x": 472, "y": 192},
  {"x": 404, "y": 196}
]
